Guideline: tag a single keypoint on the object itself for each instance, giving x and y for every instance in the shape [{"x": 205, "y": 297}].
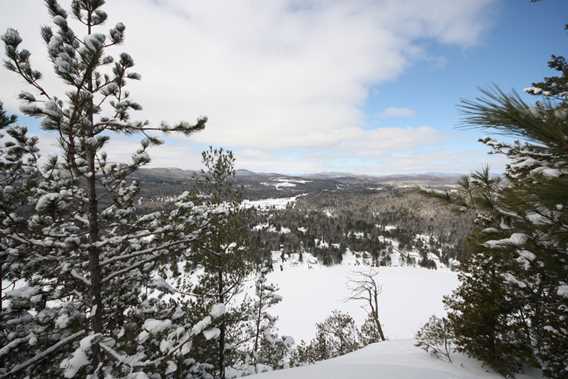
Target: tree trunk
[
  {"x": 222, "y": 328},
  {"x": 94, "y": 264},
  {"x": 376, "y": 315},
  {"x": 379, "y": 327}
]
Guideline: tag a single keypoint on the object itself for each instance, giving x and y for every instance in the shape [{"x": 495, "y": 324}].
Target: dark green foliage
[{"x": 485, "y": 322}]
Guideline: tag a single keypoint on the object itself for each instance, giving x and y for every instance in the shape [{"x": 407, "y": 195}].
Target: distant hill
[{"x": 173, "y": 181}]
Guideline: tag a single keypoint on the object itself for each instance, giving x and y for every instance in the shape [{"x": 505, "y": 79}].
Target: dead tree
[{"x": 364, "y": 288}]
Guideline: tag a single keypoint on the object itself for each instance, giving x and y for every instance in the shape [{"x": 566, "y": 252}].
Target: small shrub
[{"x": 436, "y": 337}]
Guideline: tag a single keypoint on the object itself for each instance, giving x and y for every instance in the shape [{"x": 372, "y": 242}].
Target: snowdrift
[{"x": 395, "y": 359}]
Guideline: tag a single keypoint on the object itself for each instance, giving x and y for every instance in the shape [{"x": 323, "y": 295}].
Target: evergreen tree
[
  {"x": 337, "y": 335},
  {"x": 263, "y": 333},
  {"x": 88, "y": 302},
  {"x": 514, "y": 286},
  {"x": 436, "y": 337},
  {"x": 18, "y": 177},
  {"x": 225, "y": 260}
]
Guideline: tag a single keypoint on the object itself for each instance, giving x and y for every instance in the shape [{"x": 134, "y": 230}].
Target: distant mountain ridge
[{"x": 430, "y": 176}]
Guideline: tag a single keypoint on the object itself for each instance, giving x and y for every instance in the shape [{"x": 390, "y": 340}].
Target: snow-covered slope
[{"x": 396, "y": 359}]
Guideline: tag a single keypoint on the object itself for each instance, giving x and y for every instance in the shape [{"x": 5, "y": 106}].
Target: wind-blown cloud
[{"x": 278, "y": 74}]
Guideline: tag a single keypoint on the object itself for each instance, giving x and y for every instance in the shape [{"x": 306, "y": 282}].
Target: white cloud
[
  {"x": 398, "y": 112},
  {"x": 385, "y": 140},
  {"x": 269, "y": 74}
]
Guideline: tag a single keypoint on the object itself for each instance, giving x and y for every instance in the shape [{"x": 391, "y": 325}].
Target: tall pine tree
[
  {"x": 87, "y": 300},
  {"x": 512, "y": 306}
]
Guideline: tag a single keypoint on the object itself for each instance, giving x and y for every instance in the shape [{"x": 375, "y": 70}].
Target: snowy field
[
  {"x": 398, "y": 359},
  {"x": 409, "y": 297},
  {"x": 275, "y": 203}
]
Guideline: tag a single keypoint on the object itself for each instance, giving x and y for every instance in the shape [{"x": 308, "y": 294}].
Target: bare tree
[{"x": 364, "y": 288}]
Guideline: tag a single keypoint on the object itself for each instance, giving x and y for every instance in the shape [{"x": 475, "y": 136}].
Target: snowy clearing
[
  {"x": 275, "y": 203},
  {"x": 398, "y": 359},
  {"x": 310, "y": 292}
]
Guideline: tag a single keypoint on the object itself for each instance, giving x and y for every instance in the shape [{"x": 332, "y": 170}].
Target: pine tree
[
  {"x": 436, "y": 337},
  {"x": 337, "y": 335},
  {"x": 89, "y": 300},
  {"x": 225, "y": 260},
  {"x": 18, "y": 177},
  {"x": 514, "y": 286},
  {"x": 263, "y": 333}
]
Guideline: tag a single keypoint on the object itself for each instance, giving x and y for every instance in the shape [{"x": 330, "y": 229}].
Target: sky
[{"x": 305, "y": 86}]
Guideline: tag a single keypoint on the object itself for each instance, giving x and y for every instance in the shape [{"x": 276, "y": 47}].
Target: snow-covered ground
[
  {"x": 396, "y": 359},
  {"x": 275, "y": 203},
  {"x": 278, "y": 183},
  {"x": 410, "y": 295}
]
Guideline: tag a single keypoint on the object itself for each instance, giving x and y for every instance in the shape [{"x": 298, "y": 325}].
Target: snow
[
  {"x": 264, "y": 204},
  {"x": 162, "y": 285},
  {"x": 138, "y": 375},
  {"x": 527, "y": 255},
  {"x": 154, "y": 326},
  {"x": 201, "y": 325},
  {"x": 299, "y": 181},
  {"x": 409, "y": 297},
  {"x": 284, "y": 183},
  {"x": 398, "y": 359},
  {"x": 24, "y": 292},
  {"x": 46, "y": 201},
  {"x": 322, "y": 244},
  {"x": 563, "y": 290},
  {"x": 516, "y": 239},
  {"x": 79, "y": 359},
  {"x": 509, "y": 278},
  {"x": 211, "y": 333},
  {"x": 537, "y": 219},
  {"x": 547, "y": 171},
  {"x": 171, "y": 368},
  {"x": 329, "y": 213},
  {"x": 271, "y": 228},
  {"x": 62, "y": 321},
  {"x": 259, "y": 227},
  {"x": 217, "y": 310}
]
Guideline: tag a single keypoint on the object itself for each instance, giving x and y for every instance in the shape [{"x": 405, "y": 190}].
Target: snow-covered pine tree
[
  {"x": 87, "y": 302},
  {"x": 484, "y": 319},
  {"x": 224, "y": 262},
  {"x": 514, "y": 286},
  {"x": 264, "y": 337},
  {"x": 336, "y": 335},
  {"x": 436, "y": 337},
  {"x": 18, "y": 176}
]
